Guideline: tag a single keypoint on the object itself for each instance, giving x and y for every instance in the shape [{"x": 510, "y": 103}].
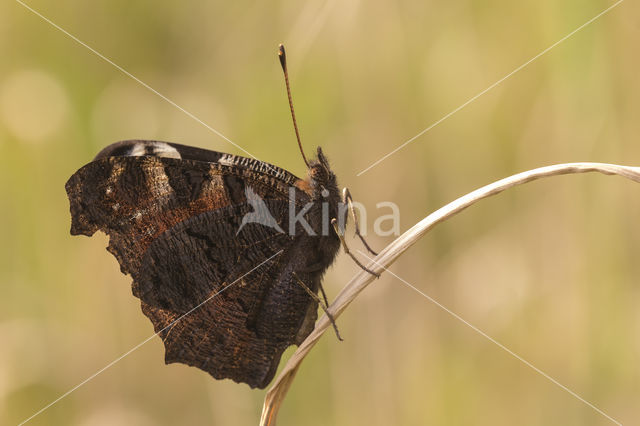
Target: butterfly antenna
[{"x": 283, "y": 62}]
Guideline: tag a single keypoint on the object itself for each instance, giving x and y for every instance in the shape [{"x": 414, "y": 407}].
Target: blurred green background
[{"x": 549, "y": 269}]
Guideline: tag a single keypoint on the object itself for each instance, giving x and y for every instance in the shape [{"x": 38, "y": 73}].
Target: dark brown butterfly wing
[{"x": 173, "y": 224}]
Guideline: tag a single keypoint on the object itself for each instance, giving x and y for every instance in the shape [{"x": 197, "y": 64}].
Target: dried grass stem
[{"x": 276, "y": 394}]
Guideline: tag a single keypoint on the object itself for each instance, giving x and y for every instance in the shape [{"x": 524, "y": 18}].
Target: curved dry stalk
[{"x": 276, "y": 394}]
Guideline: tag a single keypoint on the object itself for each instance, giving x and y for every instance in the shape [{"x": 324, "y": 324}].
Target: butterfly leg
[
  {"x": 334, "y": 222},
  {"x": 348, "y": 201},
  {"x": 323, "y": 305},
  {"x": 324, "y": 295}
]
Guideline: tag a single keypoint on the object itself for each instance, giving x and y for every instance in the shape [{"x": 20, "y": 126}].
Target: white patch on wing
[
  {"x": 226, "y": 160},
  {"x": 156, "y": 149}
]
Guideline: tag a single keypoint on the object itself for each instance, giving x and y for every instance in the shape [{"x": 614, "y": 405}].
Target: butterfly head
[{"x": 320, "y": 175}]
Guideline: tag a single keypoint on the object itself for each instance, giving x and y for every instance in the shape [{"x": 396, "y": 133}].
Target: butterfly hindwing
[{"x": 236, "y": 333}]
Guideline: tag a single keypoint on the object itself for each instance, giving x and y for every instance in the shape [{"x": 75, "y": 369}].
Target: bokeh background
[{"x": 549, "y": 269}]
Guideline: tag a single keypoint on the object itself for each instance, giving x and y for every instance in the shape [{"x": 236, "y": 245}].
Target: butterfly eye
[{"x": 318, "y": 173}]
